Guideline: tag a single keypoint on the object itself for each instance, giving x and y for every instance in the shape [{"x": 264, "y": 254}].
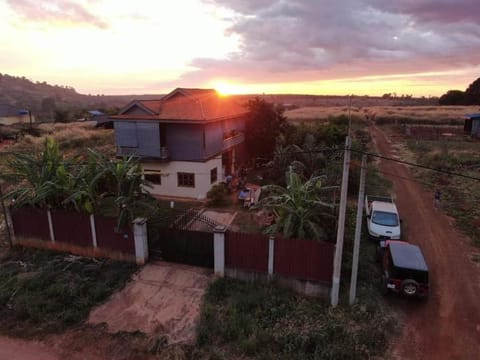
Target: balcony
[
  {"x": 163, "y": 155},
  {"x": 232, "y": 141},
  {"x": 127, "y": 151}
]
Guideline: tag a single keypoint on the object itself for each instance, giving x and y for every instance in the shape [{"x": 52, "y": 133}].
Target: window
[
  {"x": 153, "y": 177},
  {"x": 186, "y": 179},
  {"x": 213, "y": 175}
]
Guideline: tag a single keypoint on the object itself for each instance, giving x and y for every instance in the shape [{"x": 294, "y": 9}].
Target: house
[
  {"x": 472, "y": 125},
  {"x": 10, "y": 115},
  {"x": 100, "y": 118},
  {"x": 188, "y": 141}
]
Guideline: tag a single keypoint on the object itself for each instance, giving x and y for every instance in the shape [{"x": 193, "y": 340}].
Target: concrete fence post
[
  {"x": 141, "y": 240},
  {"x": 219, "y": 250},
  {"x": 50, "y": 226},
  {"x": 93, "y": 231},
  {"x": 271, "y": 252}
]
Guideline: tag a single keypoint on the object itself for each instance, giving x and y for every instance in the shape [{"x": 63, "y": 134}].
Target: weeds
[
  {"x": 263, "y": 320},
  {"x": 459, "y": 195},
  {"x": 43, "y": 292}
]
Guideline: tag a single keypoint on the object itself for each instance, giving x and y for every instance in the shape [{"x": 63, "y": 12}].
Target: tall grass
[
  {"x": 452, "y": 115},
  {"x": 460, "y": 196},
  {"x": 73, "y": 139}
]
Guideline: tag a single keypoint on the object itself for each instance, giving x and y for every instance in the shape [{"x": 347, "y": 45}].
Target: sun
[{"x": 225, "y": 89}]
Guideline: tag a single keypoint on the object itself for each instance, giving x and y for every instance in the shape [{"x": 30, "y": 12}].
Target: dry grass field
[
  {"x": 74, "y": 139},
  {"x": 452, "y": 115}
]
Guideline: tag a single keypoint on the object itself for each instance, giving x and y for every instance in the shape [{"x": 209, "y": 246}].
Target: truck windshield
[{"x": 385, "y": 218}]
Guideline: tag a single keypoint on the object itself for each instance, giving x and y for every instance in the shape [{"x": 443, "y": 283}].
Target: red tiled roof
[{"x": 197, "y": 105}]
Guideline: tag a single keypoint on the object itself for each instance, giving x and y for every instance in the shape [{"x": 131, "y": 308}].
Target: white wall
[{"x": 169, "y": 170}]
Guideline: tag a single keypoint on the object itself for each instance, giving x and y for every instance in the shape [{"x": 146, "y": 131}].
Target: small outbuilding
[
  {"x": 472, "y": 125},
  {"x": 10, "y": 115}
]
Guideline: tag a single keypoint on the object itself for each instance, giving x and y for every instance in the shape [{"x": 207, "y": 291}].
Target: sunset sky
[{"x": 363, "y": 47}]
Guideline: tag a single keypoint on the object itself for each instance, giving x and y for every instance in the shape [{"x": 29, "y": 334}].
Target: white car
[{"x": 383, "y": 221}]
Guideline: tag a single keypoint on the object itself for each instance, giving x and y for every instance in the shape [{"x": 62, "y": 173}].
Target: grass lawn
[{"x": 43, "y": 292}]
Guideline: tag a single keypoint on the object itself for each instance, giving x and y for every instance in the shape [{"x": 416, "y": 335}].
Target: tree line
[{"x": 471, "y": 96}]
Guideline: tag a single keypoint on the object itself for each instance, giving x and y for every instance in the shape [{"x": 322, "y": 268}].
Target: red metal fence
[
  {"x": 72, "y": 228},
  {"x": 31, "y": 222},
  {"x": 246, "y": 251},
  {"x": 108, "y": 238},
  {"x": 304, "y": 259}
]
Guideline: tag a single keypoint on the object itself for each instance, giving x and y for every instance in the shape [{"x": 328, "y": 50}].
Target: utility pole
[
  {"x": 358, "y": 231},
  {"x": 337, "y": 261},
  {"x": 30, "y": 117}
]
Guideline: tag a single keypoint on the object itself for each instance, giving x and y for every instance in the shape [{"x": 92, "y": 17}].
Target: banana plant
[{"x": 301, "y": 213}]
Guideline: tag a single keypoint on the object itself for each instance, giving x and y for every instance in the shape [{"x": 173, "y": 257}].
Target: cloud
[
  {"x": 298, "y": 40},
  {"x": 56, "y": 10}
]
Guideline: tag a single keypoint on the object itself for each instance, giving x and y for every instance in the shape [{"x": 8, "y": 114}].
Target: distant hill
[
  {"x": 44, "y": 100},
  {"x": 48, "y": 102}
]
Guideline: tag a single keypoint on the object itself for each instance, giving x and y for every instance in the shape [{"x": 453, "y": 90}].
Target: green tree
[
  {"x": 301, "y": 211},
  {"x": 472, "y": 94},
  {"x": 265, "y": 123},
  {"x": 62, "y": 115},
  {"x": 452, "y": 97}
]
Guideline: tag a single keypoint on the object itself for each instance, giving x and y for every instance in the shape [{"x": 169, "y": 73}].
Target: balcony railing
[
  {"x": 127, "y": 151},
  {"x": 134, "y": 151},
  {"x": 232, "y": 141}
]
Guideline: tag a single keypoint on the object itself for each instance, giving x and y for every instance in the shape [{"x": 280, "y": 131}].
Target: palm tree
[{"x": 301, "y": 212}]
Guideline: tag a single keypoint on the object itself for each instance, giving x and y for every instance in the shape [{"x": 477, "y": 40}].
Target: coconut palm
[{"x": 301, "y": 212}]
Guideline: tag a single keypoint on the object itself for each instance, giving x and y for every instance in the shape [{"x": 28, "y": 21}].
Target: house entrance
[{"x": 229, "y": 162}]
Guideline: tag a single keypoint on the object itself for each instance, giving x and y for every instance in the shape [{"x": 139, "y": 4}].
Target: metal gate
[{"x": 181, "y": 246}]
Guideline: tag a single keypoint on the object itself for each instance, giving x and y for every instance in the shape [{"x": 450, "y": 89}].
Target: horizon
[{"x": 243, "y": 47}]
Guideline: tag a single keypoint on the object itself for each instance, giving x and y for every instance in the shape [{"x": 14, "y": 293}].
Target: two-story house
[{"x": 187, "y": 141}]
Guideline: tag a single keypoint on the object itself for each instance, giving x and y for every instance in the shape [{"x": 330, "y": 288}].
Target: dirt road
[
  {"x": 447, "y": 325},
  {"x": 25, "y": 350}
]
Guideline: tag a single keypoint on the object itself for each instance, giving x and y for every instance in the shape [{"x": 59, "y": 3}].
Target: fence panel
[
  {"x": 72, "y": 228},
  {"x": 31, "y": 222},
  {"x": 246, "y": 251},
  {"x": 304, "y": 259},
  {"x": 183, "y": 246},
  {"x": 107, "y": 238}
]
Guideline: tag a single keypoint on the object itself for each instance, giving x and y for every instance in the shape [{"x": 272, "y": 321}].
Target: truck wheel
[{"x": 409, "y": 287}]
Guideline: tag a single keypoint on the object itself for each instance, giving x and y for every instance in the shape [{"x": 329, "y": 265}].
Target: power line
[
  {"x": 335, "y": 149},
  {"x": 417, "y": 165}
]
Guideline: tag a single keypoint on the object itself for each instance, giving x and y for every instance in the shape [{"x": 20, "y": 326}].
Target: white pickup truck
[{"x": 383, "y": 221}]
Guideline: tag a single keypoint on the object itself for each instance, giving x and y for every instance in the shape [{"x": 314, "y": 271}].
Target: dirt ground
[
  {"x": 162, "y": 299},
  {"x": 11, "y": 348},
  {"x": 447, "y": 325}
]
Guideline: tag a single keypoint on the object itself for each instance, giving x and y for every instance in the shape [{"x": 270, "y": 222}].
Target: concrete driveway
[{"x": 162, "y": 299}]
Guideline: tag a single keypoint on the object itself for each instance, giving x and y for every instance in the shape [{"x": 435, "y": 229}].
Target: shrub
[{"x": 217, "y": 196}]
